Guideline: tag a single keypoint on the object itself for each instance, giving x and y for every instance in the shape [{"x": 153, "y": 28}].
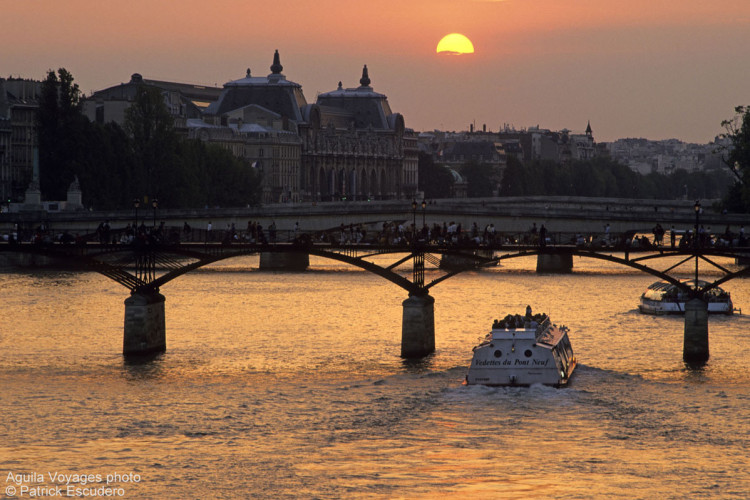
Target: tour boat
[
  {"x": 663, "y": 297},
  {"x": 523, "y": 350}
]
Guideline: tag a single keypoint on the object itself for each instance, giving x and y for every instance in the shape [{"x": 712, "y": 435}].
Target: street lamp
[
  {"x": 413, "y": 218},
  {"x": 136, "y": 204},
  {"x": 697, "y": 208},
  {"x": 424, "y": 211},
  {"x": 155, "y": 204}
]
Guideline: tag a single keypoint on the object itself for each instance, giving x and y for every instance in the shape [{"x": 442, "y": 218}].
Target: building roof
[
  {"x": 127, "y": 91},
  {"x": 366, "y": 107},
  {"x": 19, "y": 92},
  {"x": 472, "y": 150},
  {"x": 194, "y": 97},
  {"x": 273, "y": 92}
]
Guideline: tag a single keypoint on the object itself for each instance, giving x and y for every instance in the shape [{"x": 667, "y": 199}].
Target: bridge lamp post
[
  {"x": 413, "y": 219},
  {"x": 424, "y": 211},
  {"x": 697, "y": 208},
  {"x": 136, "y": 205},
  {"x": 155, "y": 204}
]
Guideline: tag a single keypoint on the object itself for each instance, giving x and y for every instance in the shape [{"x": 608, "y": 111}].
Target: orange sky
[{"x": 635, "y": 68}]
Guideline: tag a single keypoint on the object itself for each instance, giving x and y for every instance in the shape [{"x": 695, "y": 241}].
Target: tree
[
  {"x": 145, "y": 158},
  {"x": 481, "y": 179},
  {"x": 60, "y": 128},
  {"x": 737, "y": 158},
  {"x": 105, "y": 167},
  {"x": 513, "y": 182},
  {"x": 211, "y": 175},
  {"x": 435, "y": 180},
  {"x": 154, "y": 141}
]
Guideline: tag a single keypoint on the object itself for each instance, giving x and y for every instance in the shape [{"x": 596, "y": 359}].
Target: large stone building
[
  {"x": 348, "y": 145},
  {"x": 357, "y": 148},
  {"x": 19, "y": 101},
  {"x": 184, "y": 101}
]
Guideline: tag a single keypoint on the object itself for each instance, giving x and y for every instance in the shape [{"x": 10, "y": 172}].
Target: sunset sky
[{"x": 635, "y": 68}]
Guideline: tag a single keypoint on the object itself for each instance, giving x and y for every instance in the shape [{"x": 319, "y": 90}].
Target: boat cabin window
[{"x": 498, "y": 353}]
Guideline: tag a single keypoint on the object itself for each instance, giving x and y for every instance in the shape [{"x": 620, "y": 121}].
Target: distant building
[
  {"x": 485, "y": 152},
  {"x": 19, "y": 102},
  {"x": 562, "y": 146},
  {"x": 493, "y": 148},
  {"x": 348, "y": 145},
  {"x": 359, "y": 148},
  {"x": 260, "y": 119},
  {"x": 666, "y": 156},
  {"x": 455, "y": 149},
  {"x": 581, "y": 146},
  {"x": 183, "y": 100}
]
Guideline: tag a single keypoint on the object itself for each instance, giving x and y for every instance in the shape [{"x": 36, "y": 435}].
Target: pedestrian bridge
[{"x": 145, "y": 266}]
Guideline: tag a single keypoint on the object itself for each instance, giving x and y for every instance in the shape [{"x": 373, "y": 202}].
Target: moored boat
[
  {"x": 523, "y": 350},
  {"x": 664, "y": 297}
]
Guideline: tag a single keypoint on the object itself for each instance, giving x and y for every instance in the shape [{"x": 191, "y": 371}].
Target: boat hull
[{"x": 515, "y": 358}]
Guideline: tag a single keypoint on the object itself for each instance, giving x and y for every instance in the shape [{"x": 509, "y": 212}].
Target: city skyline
[{"x": 634, "y": 69}]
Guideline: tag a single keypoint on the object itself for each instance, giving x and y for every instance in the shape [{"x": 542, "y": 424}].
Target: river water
[{"x": 280, "y": 385}]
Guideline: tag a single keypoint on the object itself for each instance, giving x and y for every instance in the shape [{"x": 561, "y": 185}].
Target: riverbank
[{"x": 510, "y": 213}]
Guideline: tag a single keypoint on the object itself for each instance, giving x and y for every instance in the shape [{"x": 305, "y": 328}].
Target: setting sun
[{"x": 455, "y": 44}]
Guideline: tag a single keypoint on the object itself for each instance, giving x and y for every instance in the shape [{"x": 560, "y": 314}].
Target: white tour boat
[
  {"x": 663, "y": 297},
  {"x": 523, "y": 350}
]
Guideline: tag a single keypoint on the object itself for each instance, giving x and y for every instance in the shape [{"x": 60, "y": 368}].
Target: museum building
[{"x": 349, "y": 145}]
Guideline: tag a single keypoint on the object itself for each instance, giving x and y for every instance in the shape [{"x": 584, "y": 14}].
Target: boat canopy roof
[
  {"x": 664, "y": 290},
  {"x": 666, "y": 285}
]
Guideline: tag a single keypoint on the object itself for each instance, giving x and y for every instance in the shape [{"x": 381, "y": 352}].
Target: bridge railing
[{"x": 390, "y": 235}]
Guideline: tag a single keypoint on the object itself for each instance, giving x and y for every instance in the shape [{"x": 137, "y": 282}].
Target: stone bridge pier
[
  {"x": 695, "y": 344},
  {"x": 418, "y": 326},
  {"x": 291, "y": 261},
  {"x": 145, "y": 326},
  {"x": 554, "y": 263}
]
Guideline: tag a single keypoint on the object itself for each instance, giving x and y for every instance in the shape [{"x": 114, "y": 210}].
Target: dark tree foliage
[
  {"x": 481, "y": 179},
  {"x": 737, "y": 158},
  {"x": 435, "y": 180},
  {"x": 145, "y": 159},
  {"x": 212, "y": 176},
  {"x": 604, "y": 177},
  {"x": 105, "y": 170},
  {"x": 514, "y": 178},
  {"x": 154, "y": 141},
  {"x": 61, "y": 130}
]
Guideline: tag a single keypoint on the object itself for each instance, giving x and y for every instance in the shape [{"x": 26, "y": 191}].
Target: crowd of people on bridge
[
  {"x": 390, "y": 233},
  {"x": 705, "y": 238}
]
